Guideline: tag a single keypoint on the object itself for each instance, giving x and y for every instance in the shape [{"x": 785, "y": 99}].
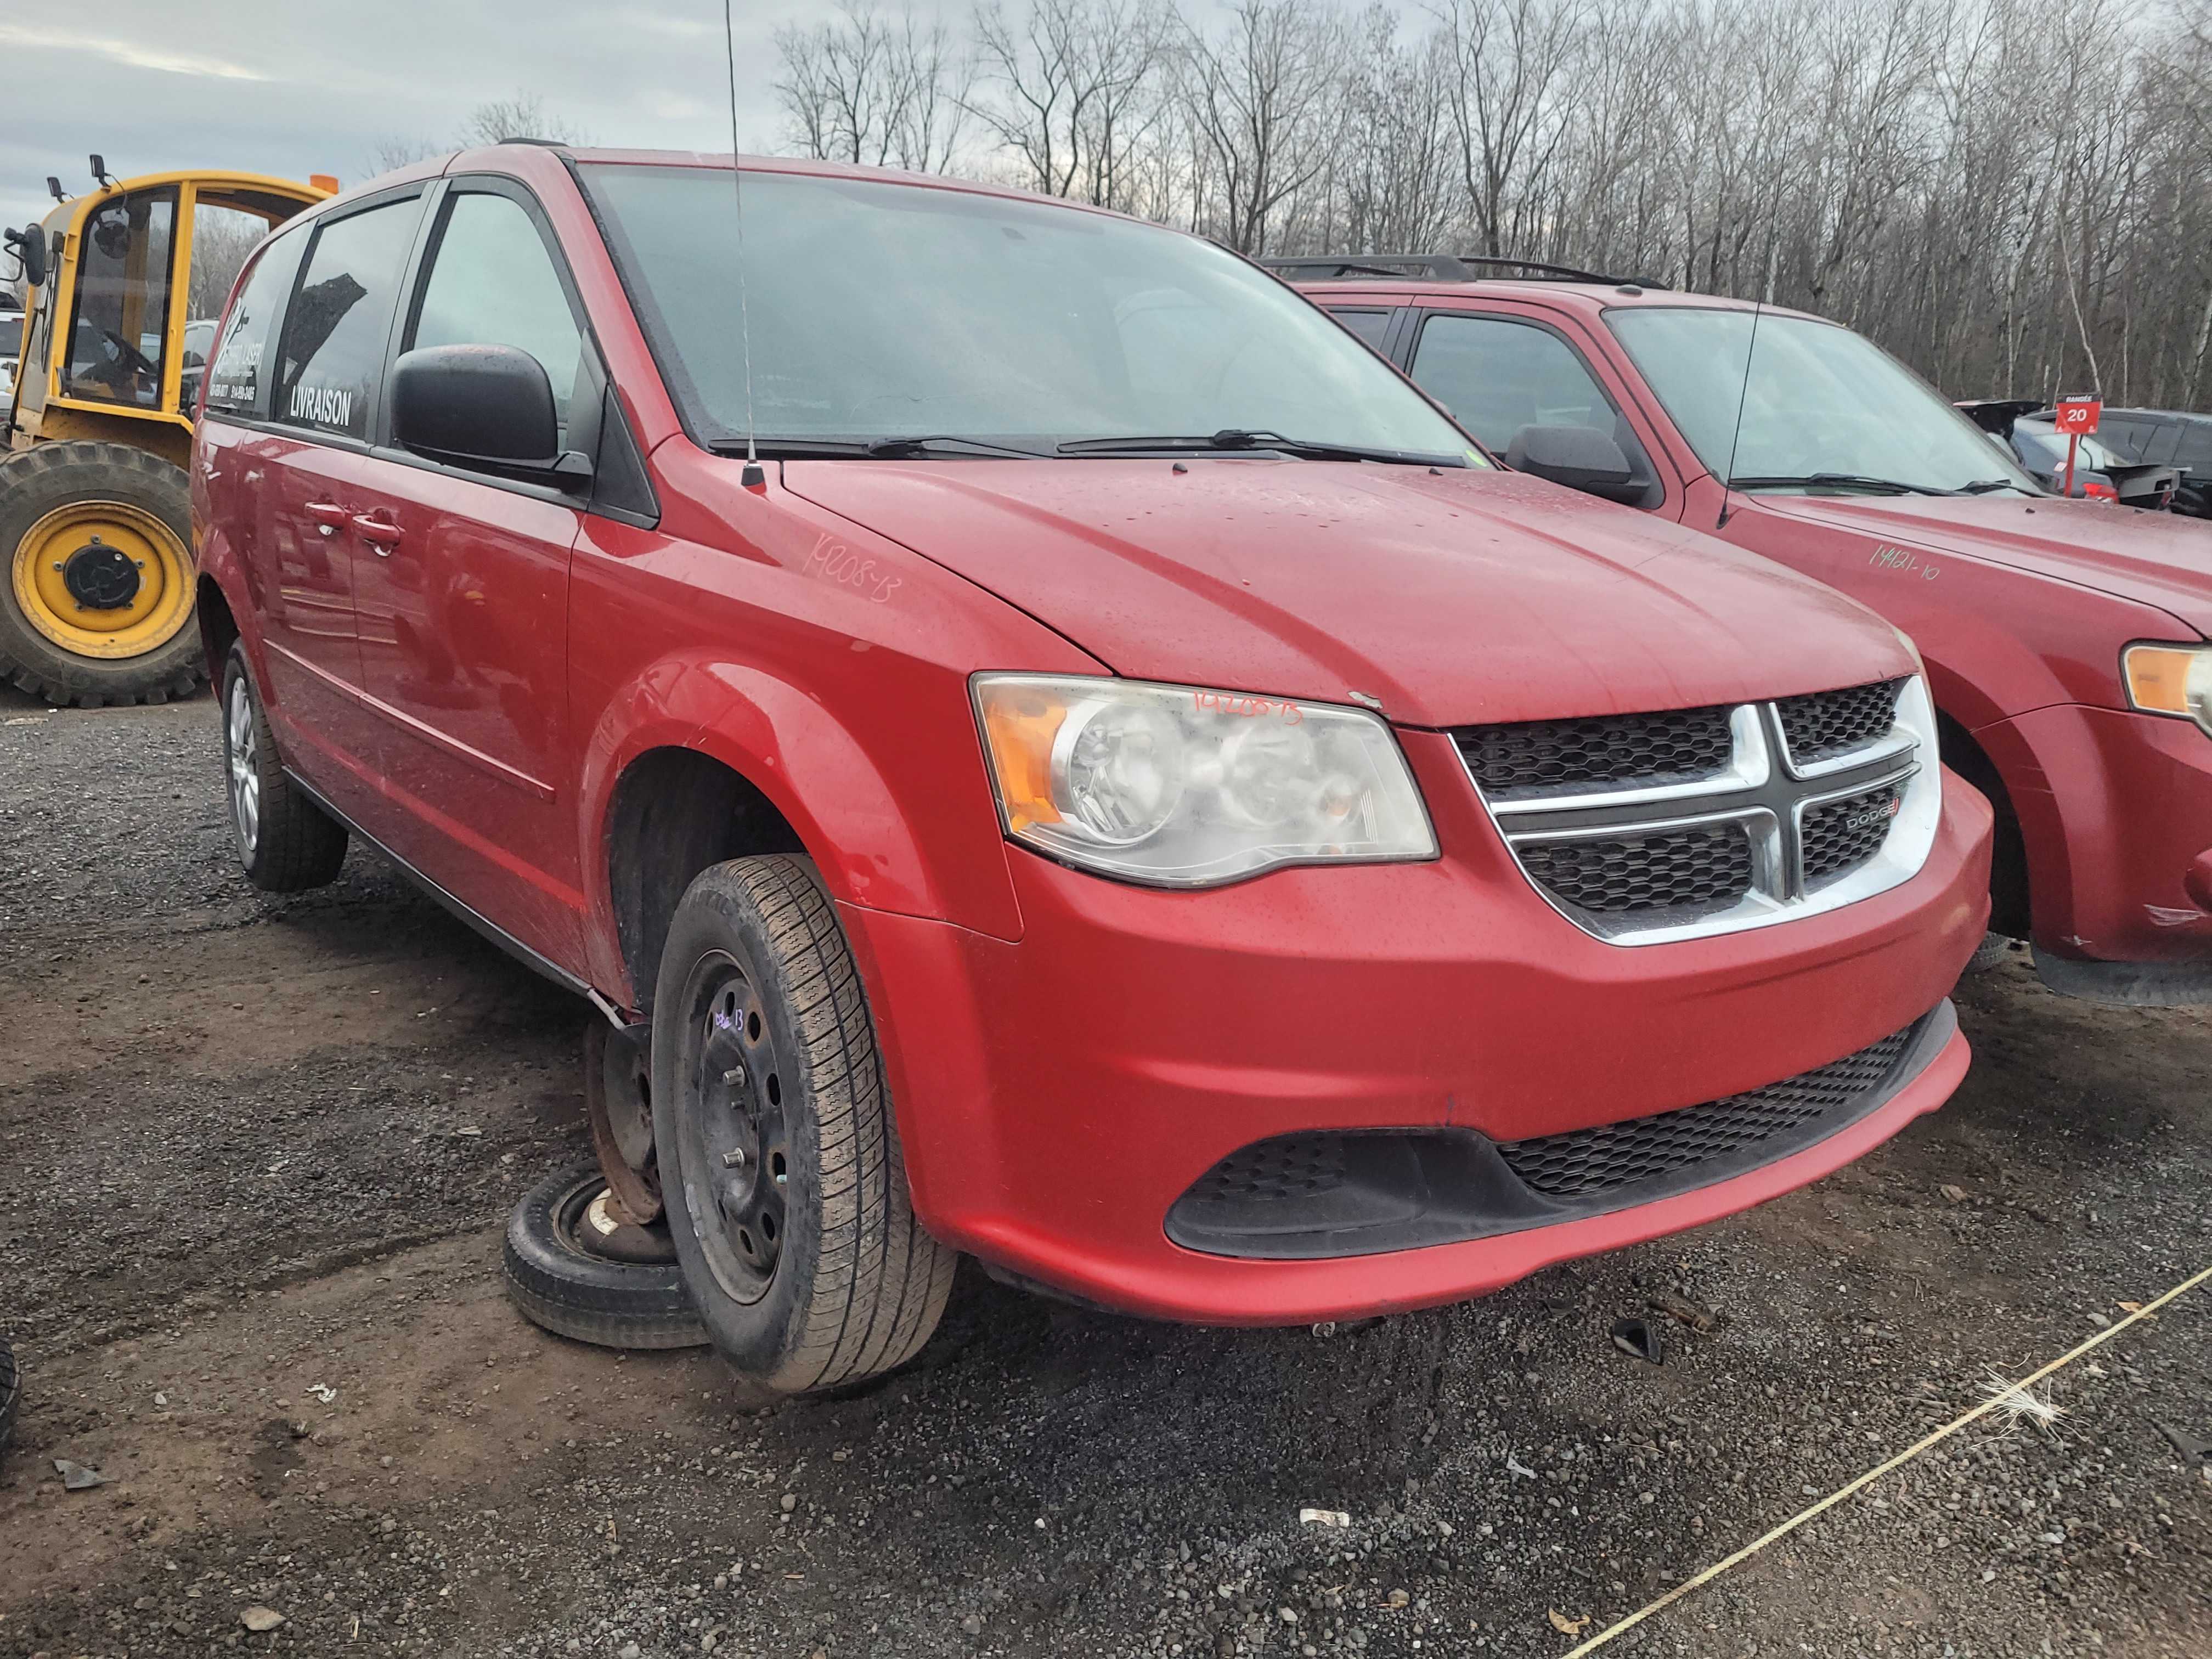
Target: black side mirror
[
  {"x": 30, "y": 247},
  {"x": 1578, "y": 456},
  {"x": 481, "y": 406}
]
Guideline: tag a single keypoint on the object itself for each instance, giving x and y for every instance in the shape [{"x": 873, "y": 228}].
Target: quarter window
[
  {"x": 492, "y": 282},
  {"x": 1370, "y": 325},
  {"x": 340, "y": 320},
  {"x": 236, "y": 381}
]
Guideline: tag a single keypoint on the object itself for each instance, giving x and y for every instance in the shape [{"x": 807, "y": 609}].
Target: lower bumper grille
[
  {"x": 1613, "y": 1155},
  {"x": 1334, "y": 1193}
]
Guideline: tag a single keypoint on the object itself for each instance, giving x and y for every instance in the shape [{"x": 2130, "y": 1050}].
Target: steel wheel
[
  {"x": 736, "y": 1154},
  {"x": 244, "y": 768},
  {"x": 104, "y": 579}
]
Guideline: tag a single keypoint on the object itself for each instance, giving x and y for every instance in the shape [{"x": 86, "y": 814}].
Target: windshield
[
  {"x": 881, "y": 310},
  {"x": 1819, "y": 400}
]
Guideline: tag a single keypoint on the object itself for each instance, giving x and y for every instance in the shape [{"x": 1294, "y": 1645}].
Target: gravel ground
[{"x": 261, "y": 1153}]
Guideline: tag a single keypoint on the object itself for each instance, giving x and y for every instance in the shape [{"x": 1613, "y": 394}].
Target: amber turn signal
[{"x": 2170, "y": 679}]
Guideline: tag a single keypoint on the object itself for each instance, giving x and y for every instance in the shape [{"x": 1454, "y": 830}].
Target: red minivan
[
  {"x": 2066, "y": 641},
  {"x": 1044, "y": 747}
]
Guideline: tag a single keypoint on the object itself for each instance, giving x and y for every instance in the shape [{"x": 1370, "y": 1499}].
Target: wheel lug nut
[
  {"x": 734, "y": 1159},
  {"x": 735, "y": 1075}
]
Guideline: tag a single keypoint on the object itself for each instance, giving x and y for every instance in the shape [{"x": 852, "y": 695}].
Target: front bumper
[
  {"x": 2115, "y": 810},
  {"x": 1057, "y": 1096}
]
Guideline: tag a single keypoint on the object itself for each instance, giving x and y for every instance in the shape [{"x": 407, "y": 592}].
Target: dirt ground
[{"x": 258, "y": 1156}]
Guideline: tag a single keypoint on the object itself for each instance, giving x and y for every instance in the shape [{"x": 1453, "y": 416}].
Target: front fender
[{"x": 900, "y": 819}]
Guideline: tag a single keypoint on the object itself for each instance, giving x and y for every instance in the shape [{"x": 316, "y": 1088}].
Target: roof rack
[{"x": 1438, "y": 268}]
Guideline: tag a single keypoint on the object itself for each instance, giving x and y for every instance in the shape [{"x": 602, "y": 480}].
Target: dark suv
[{"x": 2167, "y": 437}]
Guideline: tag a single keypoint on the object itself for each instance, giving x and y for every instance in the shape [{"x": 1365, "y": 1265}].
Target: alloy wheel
[{"x": 244, "y": 768}]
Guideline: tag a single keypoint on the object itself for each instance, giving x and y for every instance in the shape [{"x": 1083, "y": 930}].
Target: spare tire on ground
[{"x": 578, "y": 1268}]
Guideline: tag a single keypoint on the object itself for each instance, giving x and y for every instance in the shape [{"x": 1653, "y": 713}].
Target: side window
[
  {"x": 2164, "y": 444},
  {"x": 340, "y": 319},
  {"x": 2125, "y": 438},
  {"x": 236, "y": 383},
  {"x": 492, "y": 282},
  {"x": 119, "y": 327},
  {"x": 1497, "y": 377},
  {"x": 2195, "y": 450},
  {"x": 1370, "y": 325}
]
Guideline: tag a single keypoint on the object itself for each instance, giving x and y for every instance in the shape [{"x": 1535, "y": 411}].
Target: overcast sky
[{"x": 295, "y": 87}]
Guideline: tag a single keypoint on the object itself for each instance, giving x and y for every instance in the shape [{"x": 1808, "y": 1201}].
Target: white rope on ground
[{"x": 1998, "y": 1402}]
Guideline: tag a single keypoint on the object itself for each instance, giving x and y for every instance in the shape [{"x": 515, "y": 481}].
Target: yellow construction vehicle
[{"x": 121, "y": 288}]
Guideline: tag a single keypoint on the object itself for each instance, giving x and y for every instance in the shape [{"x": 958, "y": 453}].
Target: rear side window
[
  {"x": 492, "y": 282},
  {"x": 236, "y": 382},
  {"x": 1370, "y": 325},
  {"x": 340, "y": 320},
  {"x": 2195, "y": 451},
  {"x": 2164, "y": 443}
]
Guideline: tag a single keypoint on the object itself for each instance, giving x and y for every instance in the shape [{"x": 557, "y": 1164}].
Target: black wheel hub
[
  {"x": 737, "y": 1151},
  {"x": 100, "y": 577}
]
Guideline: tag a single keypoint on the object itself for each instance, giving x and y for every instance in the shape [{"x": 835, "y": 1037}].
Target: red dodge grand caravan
[
  {"x": 2065, "y": 640},
  {"x": 1118, "y": 788}
]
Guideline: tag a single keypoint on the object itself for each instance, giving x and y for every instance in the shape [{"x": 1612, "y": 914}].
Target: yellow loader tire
[{"x": 96, "y": 576}]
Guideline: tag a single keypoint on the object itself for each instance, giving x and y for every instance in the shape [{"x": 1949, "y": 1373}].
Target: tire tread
[{"x": 880, "y": 1282}]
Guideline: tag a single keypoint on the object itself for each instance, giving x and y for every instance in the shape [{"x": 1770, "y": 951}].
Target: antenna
[
  {"x": 752, "y": 477},
  {"x": 1736, "y": 441}
]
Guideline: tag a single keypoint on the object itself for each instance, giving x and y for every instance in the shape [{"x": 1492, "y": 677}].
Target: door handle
[
  {"x": 327, "y": 515},
  {"x": 381, "y": 534}
]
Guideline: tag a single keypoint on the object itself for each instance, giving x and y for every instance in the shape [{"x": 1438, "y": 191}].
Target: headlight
[
  {"x": 1183, "y": 787},
  {"x": 2170, "y": 679}
]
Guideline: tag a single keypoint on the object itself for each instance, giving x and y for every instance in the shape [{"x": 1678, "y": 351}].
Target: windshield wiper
[
  {"x": 1236, "y": 439},
  {"x": 1840, "y": 481},
  {"x": 918, "y": 448},
  {"x": 814, "y": 449},
  {"x": 1984, "y": 486}
]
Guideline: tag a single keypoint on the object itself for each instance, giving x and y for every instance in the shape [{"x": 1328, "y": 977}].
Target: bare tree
[
  {"x": 2013, "y": 195},
  {"x": 1262, "y": 101},
  {"x": 522, "y": 116},
  {"x": 874, "y": 90},
  {"x": 1073, "y": 91}
]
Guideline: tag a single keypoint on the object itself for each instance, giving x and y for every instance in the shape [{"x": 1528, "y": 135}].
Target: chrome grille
[
  {"x": 1648, "y": 872},
  {"x": 1640, "y": 828},
  {"x": 1677, "y": 744},
  {"x": 1838, "y": 834},
  {"x": 1830, "y": 723},
  {"x": 1584, "y": 1161}
]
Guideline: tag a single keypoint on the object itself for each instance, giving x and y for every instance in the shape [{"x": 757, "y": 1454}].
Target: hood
[
  {"x": 1453, "y": 598},
  {"x": 2159, "y": 559}
]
